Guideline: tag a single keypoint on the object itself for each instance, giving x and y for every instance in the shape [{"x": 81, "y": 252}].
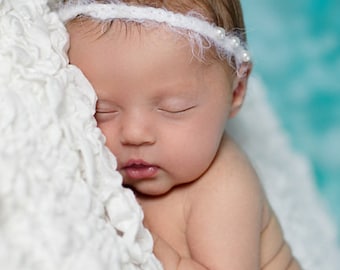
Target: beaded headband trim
[{"x": 228, "y": 44}]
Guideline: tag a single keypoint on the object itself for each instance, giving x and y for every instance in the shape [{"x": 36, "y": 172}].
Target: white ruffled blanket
[
  {"x": 62, "y": 205},
  {"x": 57, "y": 180}
]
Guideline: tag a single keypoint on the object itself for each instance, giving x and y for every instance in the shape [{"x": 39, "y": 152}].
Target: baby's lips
[{"x": 140, "y": 171}]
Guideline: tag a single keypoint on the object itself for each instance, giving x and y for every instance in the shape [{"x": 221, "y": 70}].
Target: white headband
[{"x": 228, "y": 44}]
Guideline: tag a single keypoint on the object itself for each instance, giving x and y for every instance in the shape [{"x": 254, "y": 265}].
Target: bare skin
[{"x": 181, "y": 221}]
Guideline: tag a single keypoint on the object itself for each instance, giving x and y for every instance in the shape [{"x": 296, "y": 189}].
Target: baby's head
[{"x": 168, "y": 75}]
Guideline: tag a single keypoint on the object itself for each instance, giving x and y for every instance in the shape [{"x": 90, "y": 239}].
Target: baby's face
[{"x": 162, "y": 111}]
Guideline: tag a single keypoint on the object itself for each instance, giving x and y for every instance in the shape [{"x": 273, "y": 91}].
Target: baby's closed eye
[
  {"x": 176, "y": 110},
  {"x": 105, "y": 110},
  {"x": 176, "y": 105}
]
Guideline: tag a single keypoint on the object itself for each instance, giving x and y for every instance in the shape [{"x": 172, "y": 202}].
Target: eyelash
[
  {"x": 103, "y": 112},
  {"x": 104, "y": 115},
  {"x": 177, "y": 111}
]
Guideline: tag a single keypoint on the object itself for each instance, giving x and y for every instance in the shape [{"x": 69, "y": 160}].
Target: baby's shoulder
[
  {"x": 231, "y": 166},
  {"x": 231, "y": 176}
]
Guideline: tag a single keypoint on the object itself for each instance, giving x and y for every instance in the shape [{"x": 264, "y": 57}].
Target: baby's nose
[{"x": 137, "y": 129}]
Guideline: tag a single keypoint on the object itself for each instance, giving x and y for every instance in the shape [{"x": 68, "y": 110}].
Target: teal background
[{"x": 296, "y": 51}]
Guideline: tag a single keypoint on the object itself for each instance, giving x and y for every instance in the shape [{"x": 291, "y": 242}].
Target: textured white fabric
[
  {"x": 61, "y": 201},
  {"x": 62, "y": 205}
]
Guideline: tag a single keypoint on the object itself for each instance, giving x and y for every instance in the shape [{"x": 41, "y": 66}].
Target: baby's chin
[{"x": 147, "y": 188}]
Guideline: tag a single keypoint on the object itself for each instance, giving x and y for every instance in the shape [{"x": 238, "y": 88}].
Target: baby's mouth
[{"x": 140, "y": 170}]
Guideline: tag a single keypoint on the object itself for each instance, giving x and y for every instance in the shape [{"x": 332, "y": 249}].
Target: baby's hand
[{"x": 171, "y": 259}]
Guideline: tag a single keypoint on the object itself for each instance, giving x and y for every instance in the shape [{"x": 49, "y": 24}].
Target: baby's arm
[{"x": 171, "y": 259}]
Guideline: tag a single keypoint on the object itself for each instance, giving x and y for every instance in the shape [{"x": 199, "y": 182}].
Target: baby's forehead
[{"x": 122, "y": 34}]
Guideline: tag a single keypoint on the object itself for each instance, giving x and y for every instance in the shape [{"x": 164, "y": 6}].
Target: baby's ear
[{"x": 239, "y": 89}]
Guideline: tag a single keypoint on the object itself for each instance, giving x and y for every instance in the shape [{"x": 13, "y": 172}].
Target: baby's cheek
[{"x": 108, "y": 134}]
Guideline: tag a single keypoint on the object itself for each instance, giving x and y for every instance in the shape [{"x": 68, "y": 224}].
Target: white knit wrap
[{"x": 62, "y": 204}]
